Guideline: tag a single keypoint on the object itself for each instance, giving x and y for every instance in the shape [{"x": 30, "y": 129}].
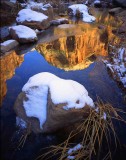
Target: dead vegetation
[{"x": 95, "y": 129}]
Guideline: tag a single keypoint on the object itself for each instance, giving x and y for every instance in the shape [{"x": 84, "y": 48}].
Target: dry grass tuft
[{"x": 98, "y": 126}]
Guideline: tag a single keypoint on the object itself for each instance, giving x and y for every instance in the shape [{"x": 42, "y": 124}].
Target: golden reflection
[
  {"x": 8, "y": 63},
  {"x": 74, "y": 52},
  {"x": 75, "y": 43}
]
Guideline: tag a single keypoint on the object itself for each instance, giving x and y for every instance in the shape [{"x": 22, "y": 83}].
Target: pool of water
[{"x": 71, "y": 53}]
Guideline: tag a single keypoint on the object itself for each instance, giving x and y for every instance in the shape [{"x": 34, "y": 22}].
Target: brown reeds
[{"x": 96, "y": 127}]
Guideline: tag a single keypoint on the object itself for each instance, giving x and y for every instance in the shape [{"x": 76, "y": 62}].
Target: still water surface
[{"x": 70, "y": 53}]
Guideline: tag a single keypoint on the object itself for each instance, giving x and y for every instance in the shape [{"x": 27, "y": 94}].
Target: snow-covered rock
[
  {"x": 46, "y": 9},
  {"x": 81, "y": 10},
  {"x": 23, "y": 34},
  {"x": 48, "y": 102},
  {"x": 32, "y": 19},
  {"x": 117, "y": 65},
  {"x": 97, "y": 3},
  {"x": 59, "y": 21},
  {"x": 8, "y": 45}
]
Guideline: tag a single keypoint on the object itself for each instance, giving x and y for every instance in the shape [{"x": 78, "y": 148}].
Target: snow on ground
[
  {"x": 84, "y": 10},
  {"x": 61, "y": 90},
  {"x": 39, "y": 6},
  {"x": 117, "y": 65},
  {"x": 97, "y": 2},
  {"x": 29, "y": 15},
  {"x": 6, "y": 43},
  {"x": 73, "y": 150},
  {"x": 24, "y": 32}
]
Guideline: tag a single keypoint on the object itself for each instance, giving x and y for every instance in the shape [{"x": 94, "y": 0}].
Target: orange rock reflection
[
  {"x": 8, "y": 64},
  {"x": 74, "y": 52}
]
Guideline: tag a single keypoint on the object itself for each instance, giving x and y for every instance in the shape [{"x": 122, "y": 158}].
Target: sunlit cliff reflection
[
  {"x": 8, "y": 64},
  {"x": 74, "y": 52}
]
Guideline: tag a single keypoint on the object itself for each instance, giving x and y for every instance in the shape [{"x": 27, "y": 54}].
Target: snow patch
[
  {"x": 30, "y": 15},
  {"x": 6, "y": 43},
  {"x": 75, "y": 148},
  {"x": 62, "y": 91},
  {"x": 24, "y": 32},
  {"x": 84, "y": 10}
]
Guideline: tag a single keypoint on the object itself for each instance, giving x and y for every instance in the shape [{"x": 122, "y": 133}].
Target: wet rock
[
  {"x": 33, "y": 19},
  {"x": 115, "y": 10},
  {"x": 23, "y": 34},
  {"x": 57, "y": 117},
  {"x": 59, "y": 21},
  {"x": 8, "y": 45}
]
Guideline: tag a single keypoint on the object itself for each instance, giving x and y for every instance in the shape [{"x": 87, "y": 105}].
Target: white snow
[
  {"x": 29, "y": 15},
  {"x": 62, "y": 91},
  {"x": 75, "y": 148},
  {"x": 21, "y": 123},
  {"x": 97, "y": 2},
  {"x": 24, "y": 32},
  {"x": 36, "y": 105},
  {"x": 121, "y": 53},
  {"x": 70, "y": 157},
  {"x": 39, "y": 6},
  {"x": 84, "y": 10},
  {"x": 7, "y": 42},
  {"x": 34, "y": 5}
]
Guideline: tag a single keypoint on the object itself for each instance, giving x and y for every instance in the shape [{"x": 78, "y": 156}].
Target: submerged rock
[
  {"x": 33, "y": 19},
  {"x": 48, "y": 103},
  {"x": 23, "y": 34}
]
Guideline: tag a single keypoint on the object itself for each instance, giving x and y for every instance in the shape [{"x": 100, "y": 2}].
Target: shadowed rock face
[{"x": 9, "y": 62}]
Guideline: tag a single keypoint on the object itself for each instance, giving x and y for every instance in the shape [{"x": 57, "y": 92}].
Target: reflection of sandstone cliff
[
  {"x": 73, "y": 52},
  {"x": 8, "y": 64}
]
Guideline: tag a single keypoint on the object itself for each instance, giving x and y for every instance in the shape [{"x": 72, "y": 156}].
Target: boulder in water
[{"x": 48, "y": 103}]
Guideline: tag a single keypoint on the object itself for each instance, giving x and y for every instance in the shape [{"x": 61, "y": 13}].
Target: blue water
[{"x": 95, "y": 78}]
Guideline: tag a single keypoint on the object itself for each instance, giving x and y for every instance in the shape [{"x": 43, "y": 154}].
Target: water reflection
[
  {"x": 9, "y": 63},
  {"x": 75, "y": 52}
]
